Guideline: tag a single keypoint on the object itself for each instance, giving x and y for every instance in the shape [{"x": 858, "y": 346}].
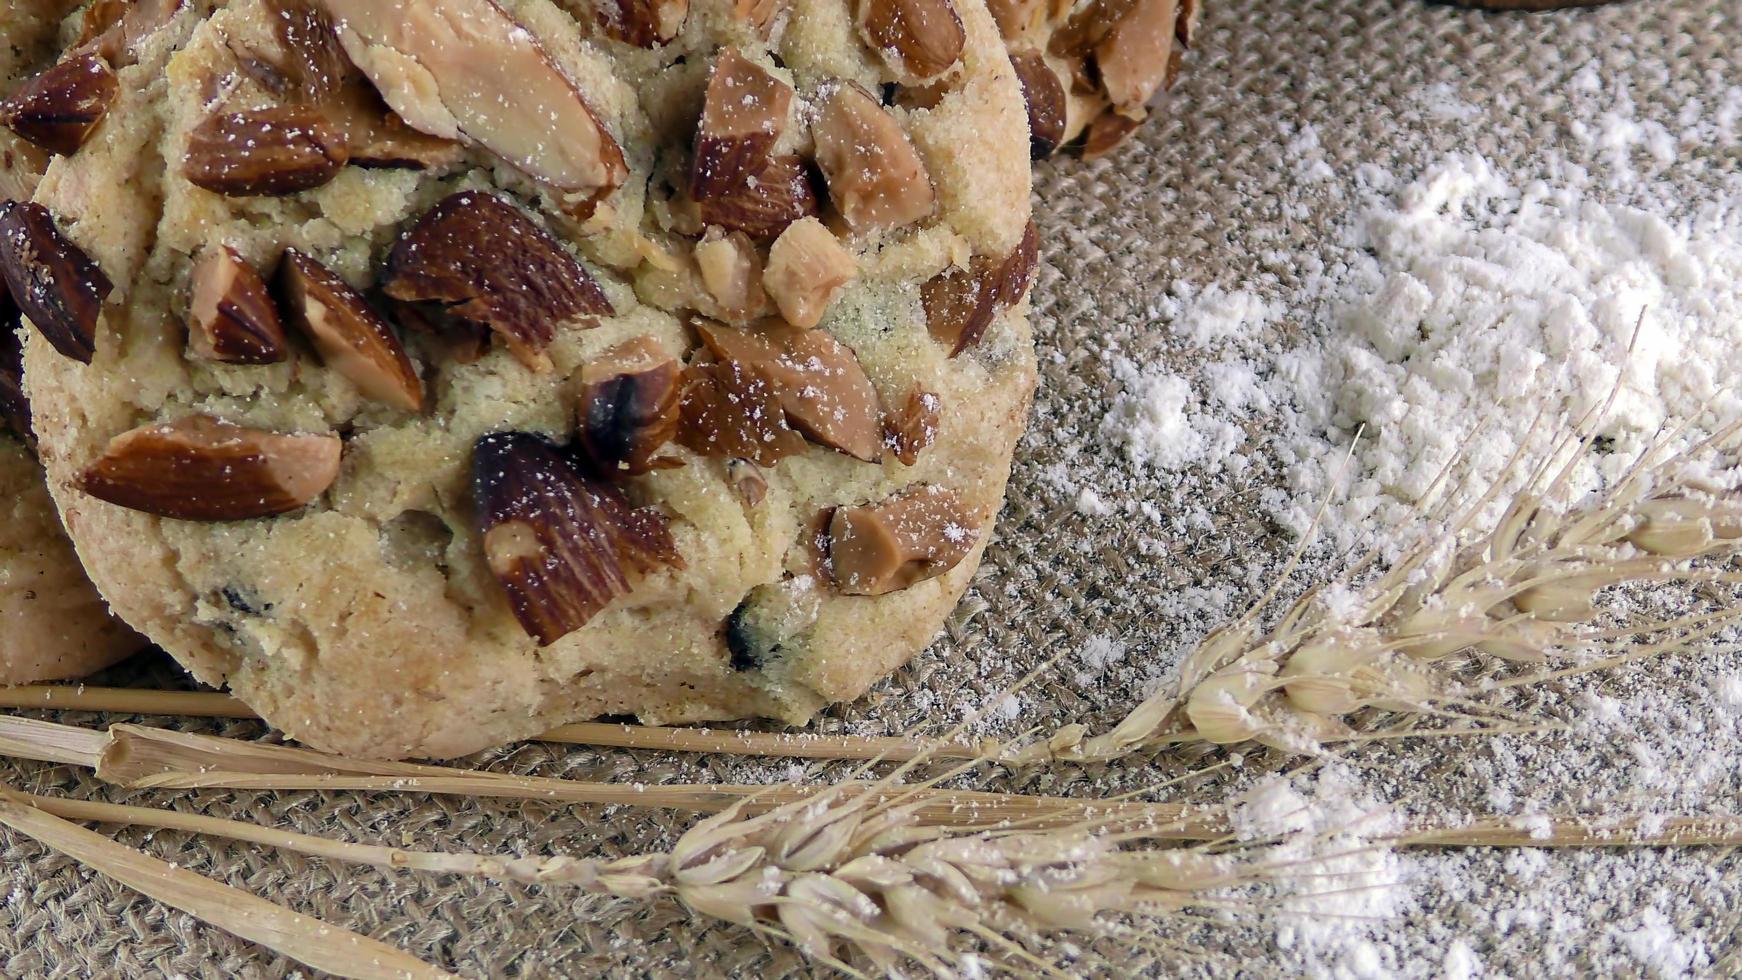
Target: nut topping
[
  {"x": 909, "y": 431},
  {"x": 759, "y": 14},
  {"x": 1045, "y": 97},
  {"x": 643, "y": 23},
  {"x": 744, "y": 112},
  {"x": 918, "y": 39},
  {"x": 53, "y": 281},
  {"x": 351, "y": 337},
  {"x": 60, "y": 108},
  {"x": 454, "y": 68},
  {"x": 14, "y": 406},
  {"x": 205, "y": 469},
  {"x": 115, "y": 29},
  {"x": 819, "y": 382},
  {"x": 281, "y": 150},
  {"x": 961, "y": 304},
  {"x": 747, "y": 481},
  {"x": 917, "y": 534},
  {"x": 563, "y": 544},
  {"x": 1105, "y": 132},
  {"x": 305, "y": 65},
  {"x": 875, "y": 176},
  {"x": 1135, "y": 57},
  {"x": 763, "y": 208},
  {"x": 731, "y": 271},
  {"x": 729, "y": 410},
  {"x": 492, "y": 265},
  {"x": 807, "y": 268},
  {"x": 231, "y": 316},
  {"x": 628, "y": 406}
]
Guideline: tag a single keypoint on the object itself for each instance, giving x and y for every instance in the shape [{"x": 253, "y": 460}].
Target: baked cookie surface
[
  {"x": 432, "y": 374},
  {"x": 53, "y": 625}
]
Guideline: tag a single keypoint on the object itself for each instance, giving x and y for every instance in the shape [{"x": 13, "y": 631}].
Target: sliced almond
[
  {"x": 464, "y": 68},
  {"x": 819, "y": 382},
  {"x": 876, "y": 178},
  {"x": 807, "y": 268},
  {"x": 489, "y": 263},
  {"x": 59, "y": 109},
  {"x": 628, "y": 406},
  {"x": 204, "y": 469},
  {"x": 643, "y": 23},
  {"x": 912, "y": 429},
  {"x": 731, "y": 411},
  {"x": 731, "y": 271},
  {"x": 916, "y": 535},
  {"x": 744, "y": 112},
  {"x": 231, "y": 316},
  {"x": 1135, "y": 56},
  {"x": 350, "y": 336},
  {"x": 764, "y": 206},
  {"x": 14, "y": 405},
  {"x": 53, "y": 281},
  {"x": 919, "y": 39},
  {"x": 275, "y": 151},
  {"x": 115, "y": 29},
  {"x": 1044, "y": 95},
  {"x": 563, "y": 544},
  {"x": 962, "y": 303}
]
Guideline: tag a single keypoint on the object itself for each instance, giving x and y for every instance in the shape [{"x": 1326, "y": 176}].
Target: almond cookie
[
  {"x": 53, "y": 625},
  {"x": 434, "y": 373}
]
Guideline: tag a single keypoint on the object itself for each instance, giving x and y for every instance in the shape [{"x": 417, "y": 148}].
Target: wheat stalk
[
  {"x": 1523, "y": 591},
  {"x": 307, "y": 940}
]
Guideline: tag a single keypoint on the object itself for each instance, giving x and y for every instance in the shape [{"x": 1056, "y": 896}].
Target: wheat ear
[{"x": 1524, "y": 590}]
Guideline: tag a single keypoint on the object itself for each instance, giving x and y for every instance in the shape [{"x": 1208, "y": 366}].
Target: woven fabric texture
[{"x": 1207, "y": 194}]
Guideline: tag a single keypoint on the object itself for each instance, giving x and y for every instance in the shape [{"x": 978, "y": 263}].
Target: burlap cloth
[{"x": 1201, "y": 197}]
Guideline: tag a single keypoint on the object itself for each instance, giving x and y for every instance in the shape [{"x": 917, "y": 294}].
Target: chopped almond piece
[
  {"x": 1135, "y": 56},
  {"x": 205, "y": 469},
  {"x": 643, "y": 23},
  {"x": 961, "y": 304},
  {"x": 1106, "y": 132},
  {"x": 909, "y": 431},
  {"x": 1044, "y": 96},
  {"x": 763, "y": 208},
  {"x": 759, "y": 14},
  {"x": 59, "y": 109},
  {"x": 115, "y": 29},
  {"x": 563, "y": 544},
  {"x": 822, "y": 388},
  {"x": 729, "y": 410},
  {"x": 917, "y": 534},
  {"x": 918, "y": 39},
  {"x": 231, "y": 316},
  {"x": 807, "y": 268},
  {"x": 876, "y": 178},
  {"x": 731, "y": 270},
  {"x": 747, "y": 480},
  {"x": 464, "y": 68},
  {"x": 628, "y": 406},
  {"x": 51, "y": 279},
  {"x": 743, "y": 114},
  {"x": 351, "y": 337},
  {"x": 281, "y": 150},
  {"x": 494, "y": 266}
]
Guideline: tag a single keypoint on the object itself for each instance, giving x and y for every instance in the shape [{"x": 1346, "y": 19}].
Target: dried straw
[{"x": 305, "y": 939}]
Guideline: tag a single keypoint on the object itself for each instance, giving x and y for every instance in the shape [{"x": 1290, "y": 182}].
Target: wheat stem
[{"x": 304, "y": 939}]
